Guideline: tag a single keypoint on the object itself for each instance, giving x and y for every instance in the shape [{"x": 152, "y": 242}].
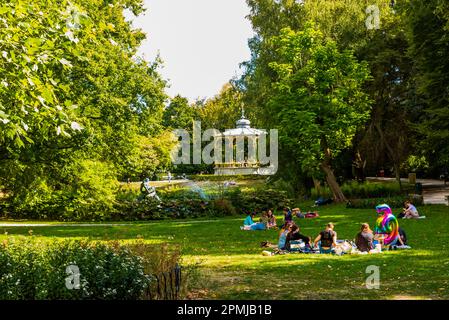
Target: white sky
[{"x": 201, "y": 42}]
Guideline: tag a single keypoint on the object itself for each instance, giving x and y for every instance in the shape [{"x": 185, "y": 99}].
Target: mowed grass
[{"x": 233, "y": 267}]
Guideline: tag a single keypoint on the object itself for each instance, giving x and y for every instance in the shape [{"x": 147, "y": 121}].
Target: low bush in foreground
[{"x": 71, "y": 269}]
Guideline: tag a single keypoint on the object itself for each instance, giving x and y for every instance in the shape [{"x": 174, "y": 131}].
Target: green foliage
[
  {"x": 366, "y": 190},
  {"x": 222, "y": 111},
  {"x": 73, "y": 99},
  {"x": 387, "y": 137},
  {"x": 318, "y": 96},
  {"x": 181, "y": 203},
  {"x": 222, "y": 178},
  {"x": 36, "y": 270},
  {"x": 179, "y": 114},
  {"x": 393, "y": 202},
  {"x": 93, "y": 191},
  {"x": 86, "y": 191},
  {"x": 416, "y": 164},
  {"x": 37, "y": 48},
  {"x": 426, "y": 26}
]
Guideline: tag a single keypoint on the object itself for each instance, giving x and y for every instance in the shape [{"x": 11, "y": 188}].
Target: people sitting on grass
[
  {"x": 249, "y": 224},
  {"x": 271, "y": 223},
  {"x": 364, "y": 239},
  {"x": 288, "y": 216},
  {"x": 402, "y": 237},
  {"x": 402, "y": 214},
  {"x": 282, "y": 243},
  {"x": 327, "y": 239},
  {"x": 410, "y": 211},
  {"x": 285, "y": 226},
  {"x": 264, "y": 217},
  {"x": 294, "y": 235}
]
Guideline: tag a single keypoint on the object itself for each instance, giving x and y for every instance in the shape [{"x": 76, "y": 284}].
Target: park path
[
  {"x": 434, "y": 191},
  {"x": 25, "y": 224}
]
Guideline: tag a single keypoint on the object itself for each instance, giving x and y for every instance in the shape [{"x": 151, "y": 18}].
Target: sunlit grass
[{"x": 233, "y": 266}]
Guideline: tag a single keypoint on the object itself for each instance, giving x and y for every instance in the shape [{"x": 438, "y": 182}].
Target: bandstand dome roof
[{"x": 243, "y": 128}]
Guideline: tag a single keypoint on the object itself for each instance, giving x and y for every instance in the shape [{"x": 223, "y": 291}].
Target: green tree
[
  {"x": 222, "y": 111},
  {"x": 318, "y": 99},
  {"x": 427, "y": 30},
  {"x": 74, "y": 97},
  {"x": 179, "y": 114},
  {"x": 387, "y": 136}
]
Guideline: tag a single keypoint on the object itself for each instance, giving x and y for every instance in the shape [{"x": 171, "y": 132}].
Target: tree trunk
[
  {"x": 398, "y": 175},
  {"x": 317, "y": 184},
  {"x": 330, "y": 177},
  {"x": 333, "y": 184}
]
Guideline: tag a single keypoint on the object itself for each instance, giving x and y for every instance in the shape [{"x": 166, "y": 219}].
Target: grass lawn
[{"x": 233, "y": 267}]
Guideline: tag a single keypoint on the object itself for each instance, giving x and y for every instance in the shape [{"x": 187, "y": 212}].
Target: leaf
[
  {"x": 4, "y": 9},
  {"x": 32, "y": 45}
]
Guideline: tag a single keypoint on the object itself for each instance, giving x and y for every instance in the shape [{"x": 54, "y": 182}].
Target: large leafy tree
[
  {"x": 222, "y": 111},
  {"x": 427, "y": 29},
  {"x": 180, "y": 114},
  {"x": 318, "y": 99},
  {"x": 385, "y": 139},
  {"x": 73, "y": 97}
]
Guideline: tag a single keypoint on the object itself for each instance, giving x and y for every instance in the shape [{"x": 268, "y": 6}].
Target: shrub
[
  {"x": 366, "y": 190},
  {"x": 393, "y": 202},
  {"x": 92, "y": 191},
  {"x": 324, "y": 192},
  {"x": 222, "y": 207},
  {"x": 287, "y": 186},
  {"x": 261, "y": 199},
  {"x": 213, "y": 177},
  {"x": 94, "y": 196},
  {"x": 35, "y": 270},
  {"x": 88, "y": 192},
  {"x": 162, "y": 260}
]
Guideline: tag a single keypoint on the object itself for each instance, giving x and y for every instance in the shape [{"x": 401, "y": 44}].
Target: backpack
[{"x": 326, "y": 238}]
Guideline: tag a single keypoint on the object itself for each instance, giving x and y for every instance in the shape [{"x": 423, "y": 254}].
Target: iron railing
[{"x": 165, "y": 285}]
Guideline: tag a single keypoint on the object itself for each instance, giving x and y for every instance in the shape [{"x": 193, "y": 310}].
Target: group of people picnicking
[
  {"x": 267, "y": 220},
  {"x": 387, "y": 232}
]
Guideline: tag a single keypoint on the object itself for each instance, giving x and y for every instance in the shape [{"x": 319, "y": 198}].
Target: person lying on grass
[
  {"x": 294, "y": 235},
  {"x": 299, "y": 214},
  {"x": 327, "y": 239},
  {"x": 249, "y": 223},
  {"x": 364, "y": 239}
]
